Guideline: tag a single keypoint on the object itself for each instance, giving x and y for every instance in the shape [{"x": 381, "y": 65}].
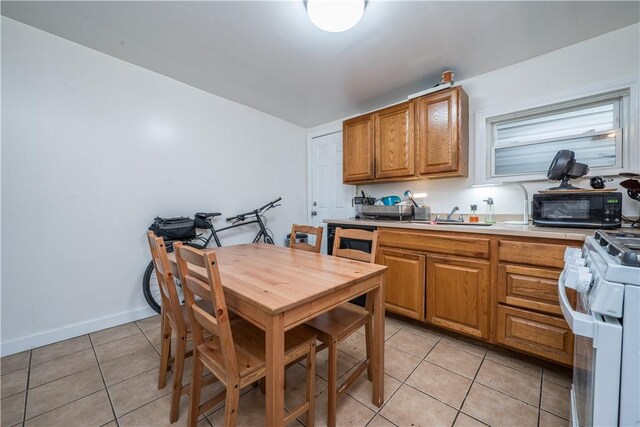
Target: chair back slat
[
  {"x": 354, "y": 254},
  {"x": 206, "y": 320},
  {"x": 199, "y": 288},
  {"x": 195, "y": 265},
  {"x": 166, "y": 282},
  {"x": 307, "y": 229}
]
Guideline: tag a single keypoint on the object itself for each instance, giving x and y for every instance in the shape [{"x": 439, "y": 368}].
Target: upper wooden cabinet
[
  {"x": 358, "y": 151},
  {"x": 442, "y": 133},
  {"x": 394, "y": 141},
  {"x": 423, "y": 138}
]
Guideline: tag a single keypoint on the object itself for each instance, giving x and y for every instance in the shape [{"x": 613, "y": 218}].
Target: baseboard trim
[{"x": 71, "y": 331}]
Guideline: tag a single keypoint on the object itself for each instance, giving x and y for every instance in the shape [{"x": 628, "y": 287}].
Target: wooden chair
[
  {"x": 314, "y": 231},
  {"x": 236, "y": 352},
  {"x": 336, "y": 325},
  {"x": 174, "y": 319}
]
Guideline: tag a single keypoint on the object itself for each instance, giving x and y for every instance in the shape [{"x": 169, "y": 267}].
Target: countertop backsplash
[{"x": 445, "y": 193}]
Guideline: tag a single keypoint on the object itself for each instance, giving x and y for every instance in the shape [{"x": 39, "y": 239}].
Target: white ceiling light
[{"x": 335, "y": 16}]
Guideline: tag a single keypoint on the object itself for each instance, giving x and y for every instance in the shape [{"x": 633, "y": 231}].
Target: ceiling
[{"x": 268, "y": 55}]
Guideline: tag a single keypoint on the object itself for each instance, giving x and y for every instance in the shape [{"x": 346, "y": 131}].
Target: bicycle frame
[{"x": 240, "y": 221}]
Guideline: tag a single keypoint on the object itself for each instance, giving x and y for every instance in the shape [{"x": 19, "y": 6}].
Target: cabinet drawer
[
  {"x": 542, "y": 254},
  {"x": 529, "y": 287},
  {"x": 453, "y": 244},
  {"x": 541, "y": 335}
]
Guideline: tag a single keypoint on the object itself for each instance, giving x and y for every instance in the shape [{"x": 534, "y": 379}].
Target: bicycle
[{"x": 203, "y": 220}]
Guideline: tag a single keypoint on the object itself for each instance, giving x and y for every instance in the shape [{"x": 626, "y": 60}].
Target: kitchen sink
[{"x": 476, "y": 224}]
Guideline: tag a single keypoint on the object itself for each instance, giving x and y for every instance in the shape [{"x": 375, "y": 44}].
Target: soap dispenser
[
  {"x": 473, "y": 214},
  {"x": 490, "y": 217}
]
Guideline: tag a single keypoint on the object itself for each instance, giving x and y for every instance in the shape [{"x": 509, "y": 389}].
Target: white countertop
[{"x": 495, "y": 229}]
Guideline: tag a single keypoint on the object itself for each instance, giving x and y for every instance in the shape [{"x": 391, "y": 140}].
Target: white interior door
[{"x": 330, "y": 198}]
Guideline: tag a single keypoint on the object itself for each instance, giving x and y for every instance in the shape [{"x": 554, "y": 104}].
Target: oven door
[
  {"x": 577, "y": 210},
  {"x": 597, "y": 362}
]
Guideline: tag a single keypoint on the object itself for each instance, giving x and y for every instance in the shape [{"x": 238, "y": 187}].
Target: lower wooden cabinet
[
  {"x": 458, "y": 294},
  {"x": 499, "y": 289},
  {"x": 539, "y": 334},
  {"x": 404, "y": 283}
]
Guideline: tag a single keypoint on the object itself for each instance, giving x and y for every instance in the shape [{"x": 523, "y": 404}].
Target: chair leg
[
  {"x": 181, "y": 349},
  {"x": 311, "y": 379},
  {"x": 194, "y": 397},
  {"x": 368, "y": 329},
  {"x": 333, "y": 379},
  {"x": 231, "y": 404},
  {"x": 165, "y": 352}
]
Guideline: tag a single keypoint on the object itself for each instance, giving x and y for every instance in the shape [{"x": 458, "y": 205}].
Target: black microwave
[{"x": 580, "y": 209}]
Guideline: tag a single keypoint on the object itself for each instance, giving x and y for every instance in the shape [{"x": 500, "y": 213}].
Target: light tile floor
[{"x": 109, "y": 378}]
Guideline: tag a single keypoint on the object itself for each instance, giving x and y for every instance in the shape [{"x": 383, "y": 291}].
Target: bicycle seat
[{"x": 207, "y": 215}]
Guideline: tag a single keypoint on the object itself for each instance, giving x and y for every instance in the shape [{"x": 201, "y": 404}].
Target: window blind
[{"x": 525, "y": 143}]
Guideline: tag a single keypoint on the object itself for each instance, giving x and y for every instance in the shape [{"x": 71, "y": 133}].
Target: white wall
[
  {"x": 92, "y": 149},
  {"x": 612, "y": 55}
]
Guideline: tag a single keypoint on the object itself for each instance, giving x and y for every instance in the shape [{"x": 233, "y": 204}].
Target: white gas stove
[{"x": 606, "y": 324}]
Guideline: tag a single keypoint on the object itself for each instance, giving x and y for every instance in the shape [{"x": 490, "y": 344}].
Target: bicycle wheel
[{"x": 151, "y": 287}]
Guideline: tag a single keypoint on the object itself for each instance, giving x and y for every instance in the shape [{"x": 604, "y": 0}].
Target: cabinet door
[
  {"x": 442, "y": 134},
  {"x": 458, "y": 294},
  {"x": 404, "y": 282},
  {"x": 394, "y": 136},
  {"x": 357, "y": 141}
]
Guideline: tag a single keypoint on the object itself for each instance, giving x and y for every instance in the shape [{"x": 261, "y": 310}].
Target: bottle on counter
[
  {"x": 490, "y": 216},
  {"x": 473, "y": 214}
]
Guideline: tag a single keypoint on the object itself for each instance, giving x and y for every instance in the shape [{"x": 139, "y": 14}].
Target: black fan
[
  {"x": 564, "y": 167},
  {"x": 632, "y": 185}
]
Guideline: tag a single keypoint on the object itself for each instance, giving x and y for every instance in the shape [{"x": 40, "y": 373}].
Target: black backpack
[{"x": 180, "y": 228}]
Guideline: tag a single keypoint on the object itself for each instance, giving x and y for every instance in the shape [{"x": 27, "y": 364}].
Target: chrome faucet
[{"x": 455, "y": 208}]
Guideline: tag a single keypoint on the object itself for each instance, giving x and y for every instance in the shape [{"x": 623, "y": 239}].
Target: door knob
[{"x": 314, "y": 213}]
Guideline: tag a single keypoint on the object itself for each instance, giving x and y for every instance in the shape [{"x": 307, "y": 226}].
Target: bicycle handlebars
[{"x": 242, "y": 216}]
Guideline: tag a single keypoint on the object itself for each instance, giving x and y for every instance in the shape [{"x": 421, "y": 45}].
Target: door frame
[{"x": 315, "y": 132}]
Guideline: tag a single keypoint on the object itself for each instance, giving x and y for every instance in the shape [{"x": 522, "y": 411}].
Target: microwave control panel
[{"x": 612, "y": 209}]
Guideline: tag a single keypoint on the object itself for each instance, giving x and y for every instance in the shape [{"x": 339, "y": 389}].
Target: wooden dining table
[{"x": 277, "y": 288}]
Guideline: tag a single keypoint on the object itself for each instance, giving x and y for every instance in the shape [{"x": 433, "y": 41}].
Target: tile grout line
[
  {"x": 403, "y": 382},
  {"x": 540, "y": 397},
  {"x": 113, "y": 410},
  {"x": 64, "y": 355},
  {"x": 145, "y": 335},
  {"x": 513, "y": 367},
  {"x": 472, "y": 382},
  {"x": 435, "y": 364},
  {"x": 68, "y": 403},
  {"x": 26, "y": 392},
  {"x": 64, "y": 376}
]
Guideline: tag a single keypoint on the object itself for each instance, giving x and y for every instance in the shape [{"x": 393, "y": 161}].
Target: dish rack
[{"x": 399, "y": 212}]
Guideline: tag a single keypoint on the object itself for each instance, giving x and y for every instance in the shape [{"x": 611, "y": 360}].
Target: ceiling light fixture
[{"x": 335, "y": 16}]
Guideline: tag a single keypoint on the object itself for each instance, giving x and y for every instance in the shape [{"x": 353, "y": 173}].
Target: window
[
  {"x": 525, "y": 142},
  {"x": 517, "y": 143}
]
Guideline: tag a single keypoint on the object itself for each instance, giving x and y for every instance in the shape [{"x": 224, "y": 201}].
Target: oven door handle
[{"x": 580, "y": 323}]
